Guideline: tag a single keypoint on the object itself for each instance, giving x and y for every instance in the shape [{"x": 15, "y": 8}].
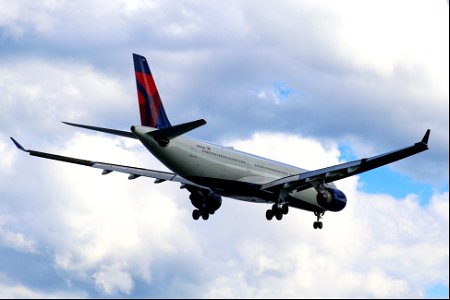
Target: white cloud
[
  {"x": 109, "y": 228},
  {"x": 12, "y": 290},
  {"x": 384, "y": 35},
  {"x": 15, "y": 240},
  {"x": 47, "y": 93},
  {"x": 379, "y": 246},
  {"x": 6, "y": 153},
  {"x": 108, "y": 234},
  {"x": 351, "y": 65},
  {"x": 113, "y": 278},
  {"x": 291, "y": 149}
]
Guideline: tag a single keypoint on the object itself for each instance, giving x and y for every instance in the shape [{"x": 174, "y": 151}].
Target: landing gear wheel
[
  {"x": 269, "y": 214},
  {"x": 318, "y": 225},
  {"x": 195, "y": 214},
  {"x": 205, "y": 215},
  {"x": 285, "y": 209},
  {"x": 279, "y": 215}
]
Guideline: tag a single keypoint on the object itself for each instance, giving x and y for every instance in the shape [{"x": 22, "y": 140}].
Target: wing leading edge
[
  {"x": 307, "y": 179},
  {"x": 107, "y": 168}
]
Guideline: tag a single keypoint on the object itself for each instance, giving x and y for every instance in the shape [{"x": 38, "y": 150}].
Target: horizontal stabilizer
[
  {"x": 164, "y": 135},
  {"x": 105, "y": 130}
]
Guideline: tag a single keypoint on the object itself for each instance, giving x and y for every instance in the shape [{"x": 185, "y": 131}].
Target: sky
[{"x": 309, "y": 83}]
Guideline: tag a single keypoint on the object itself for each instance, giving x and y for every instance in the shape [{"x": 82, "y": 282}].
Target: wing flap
[{"x": 166, "y": 176}]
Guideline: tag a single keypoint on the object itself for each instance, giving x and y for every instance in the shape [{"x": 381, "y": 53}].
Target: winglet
[
  {"x": 18, "y": 145},
  {"x": 426, "y": 137}
]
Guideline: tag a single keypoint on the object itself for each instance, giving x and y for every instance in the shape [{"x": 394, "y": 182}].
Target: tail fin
[{"x": 150, "y": 104}]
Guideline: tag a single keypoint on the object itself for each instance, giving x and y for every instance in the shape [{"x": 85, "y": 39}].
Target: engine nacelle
[
  {"x": 213, "y": 202},
  {"x": 206, "y": 200},
  {"x": 332, "y": 199}
]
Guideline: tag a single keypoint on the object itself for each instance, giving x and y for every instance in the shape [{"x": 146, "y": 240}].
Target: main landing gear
[
  {"x": 318, "y": 223},
  {"x": 278, "y": 210},
  {"x": 206, "y": 203}
]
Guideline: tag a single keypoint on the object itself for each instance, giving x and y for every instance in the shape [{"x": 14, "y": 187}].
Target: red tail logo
[{"x": 150, "y": 104}]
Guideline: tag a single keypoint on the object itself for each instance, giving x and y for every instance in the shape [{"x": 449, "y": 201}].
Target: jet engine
[{"x": 332, "y": 199}]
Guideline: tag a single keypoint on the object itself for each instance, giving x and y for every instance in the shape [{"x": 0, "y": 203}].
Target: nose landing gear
[{"x": 318, "y": 224}]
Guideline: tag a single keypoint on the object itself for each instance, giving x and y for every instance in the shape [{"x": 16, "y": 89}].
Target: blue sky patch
[
  {"x": 439, "y": 291},
  {"x": 282, "y": 90},
  {"x": 384, "y": 180}
]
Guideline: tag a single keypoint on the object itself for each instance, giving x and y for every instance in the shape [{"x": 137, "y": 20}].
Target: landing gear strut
[
  {"x": 277, "y": 211},
  {"x": 318, "y": 223}
]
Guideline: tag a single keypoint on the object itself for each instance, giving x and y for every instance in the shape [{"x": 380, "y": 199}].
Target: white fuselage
[{"x": 229, "y": 172}]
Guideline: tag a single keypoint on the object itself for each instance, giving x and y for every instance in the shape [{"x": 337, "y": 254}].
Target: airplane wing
[
  {"x": 160, "y": 176},
  {"x": 308, "y": 179}
]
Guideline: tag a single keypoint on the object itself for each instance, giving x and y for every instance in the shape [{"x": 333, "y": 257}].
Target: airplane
[{"x": 209, "y": 172}]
